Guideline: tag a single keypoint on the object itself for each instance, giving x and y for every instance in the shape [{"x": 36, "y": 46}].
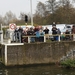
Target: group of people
[
  {"x": 65, "y": 35},
  {"x": 39, "y": 32}
]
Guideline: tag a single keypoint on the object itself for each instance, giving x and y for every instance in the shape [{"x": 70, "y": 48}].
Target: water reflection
[{"x": 36, "y": 70}]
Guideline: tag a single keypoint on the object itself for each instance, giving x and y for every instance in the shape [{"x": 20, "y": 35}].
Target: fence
[
  {"x": 71, "y": 37},
  {"x": 29, "y": 38}
]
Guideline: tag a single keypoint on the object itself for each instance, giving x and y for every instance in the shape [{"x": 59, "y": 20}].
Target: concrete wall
[{"x": 36, "y": 53}]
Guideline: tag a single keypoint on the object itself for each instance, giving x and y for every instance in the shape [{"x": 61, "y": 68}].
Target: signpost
[{"x": 12, "y": 26}]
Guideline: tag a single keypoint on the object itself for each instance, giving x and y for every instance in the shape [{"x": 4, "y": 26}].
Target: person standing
[
  {"x": 46, "y": 30},
  {"x": 73, "y": 32},
  {"x": 41, "y": 35},
  {"x": 37, "y": 33},
  {"x": 16, "y": 34},
  {"x": 20, "y": 31},
  {"x": 67, "y": 36},
  {"x": 54, "y": 32}
]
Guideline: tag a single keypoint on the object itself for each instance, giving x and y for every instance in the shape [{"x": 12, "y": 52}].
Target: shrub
[{"x": 68, "y": 63}]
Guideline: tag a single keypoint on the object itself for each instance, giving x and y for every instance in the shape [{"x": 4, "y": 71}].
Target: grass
[
  {"x": 68, "y": 63},
  {"x": 48, "y": 40}
]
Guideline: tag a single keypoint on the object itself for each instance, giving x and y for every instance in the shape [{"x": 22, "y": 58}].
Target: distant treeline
[{"x": 58, "y": 11}]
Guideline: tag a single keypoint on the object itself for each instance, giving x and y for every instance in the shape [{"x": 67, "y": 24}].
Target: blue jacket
[{"x": 37, "y": 34}]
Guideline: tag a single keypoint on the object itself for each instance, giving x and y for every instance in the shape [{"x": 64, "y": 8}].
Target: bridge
[{"x": 36, "y": 53}]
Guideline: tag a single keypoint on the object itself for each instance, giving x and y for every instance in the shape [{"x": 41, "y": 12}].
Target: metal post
[
  {"x": 73, "y": 37},
  {"x": 1, "y": 34},
  {"x": 1, "y": 27},
  {"x": 6, "y": 55},
  {"x": 1, "y": 37},
  {"x": 31, "y": 12}
]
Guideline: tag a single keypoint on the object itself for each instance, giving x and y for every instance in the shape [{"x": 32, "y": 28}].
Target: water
[{"x": 36, "y": 70}]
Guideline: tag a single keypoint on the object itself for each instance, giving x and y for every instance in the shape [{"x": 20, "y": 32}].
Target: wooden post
[
  {"x": 44, "y": 38},
  {"x": 73, "y": 37},
  {"x": 59, "y": 38},
  {"x": 28, "y": 39}
]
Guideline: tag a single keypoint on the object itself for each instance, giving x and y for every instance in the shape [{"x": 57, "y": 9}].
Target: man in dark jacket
[
  {"x": 20, "y": 31},
  {"x": 54, "y": 32},
  {"x": 46, "y": 30}
]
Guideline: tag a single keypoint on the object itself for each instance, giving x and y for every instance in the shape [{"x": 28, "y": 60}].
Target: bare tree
[
  {"x": 22, "y": 16},
  {"x": 9, "y": 17},
  {"x": 41, "y": 9},
  {"x": 52, "y": 5}
]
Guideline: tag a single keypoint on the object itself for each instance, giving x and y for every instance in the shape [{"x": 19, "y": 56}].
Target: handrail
[
  {"x": 45, "y": 35},
  {"x": 29, "y": 36}
]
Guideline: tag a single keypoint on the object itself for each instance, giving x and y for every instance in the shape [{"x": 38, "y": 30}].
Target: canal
[{"x": 36, "y": 70}]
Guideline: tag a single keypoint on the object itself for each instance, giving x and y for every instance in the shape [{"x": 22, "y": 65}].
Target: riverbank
[{"x": 68, "y": 63}]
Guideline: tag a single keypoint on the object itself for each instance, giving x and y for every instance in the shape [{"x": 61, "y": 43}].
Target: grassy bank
[{"x": 68, "y": 63}]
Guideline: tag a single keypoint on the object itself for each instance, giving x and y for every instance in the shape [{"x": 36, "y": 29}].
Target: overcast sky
[{"x": 17, "y": 6}]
